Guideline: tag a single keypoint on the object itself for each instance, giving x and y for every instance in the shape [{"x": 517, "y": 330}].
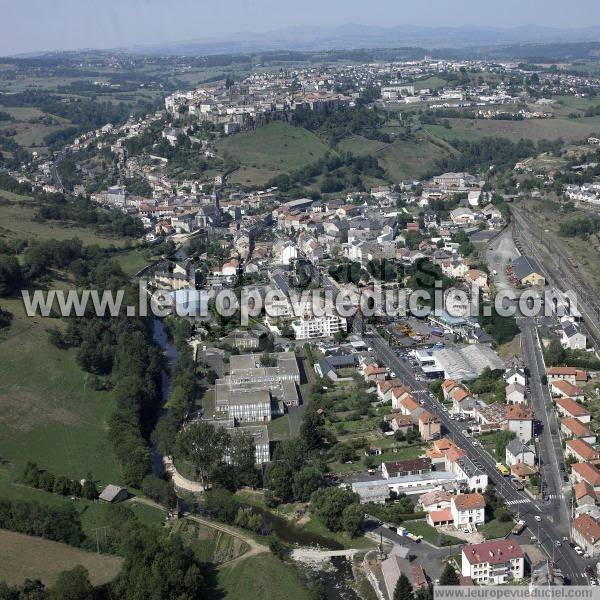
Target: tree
[
  {"x": 221, "y": 504},
  {"x": 88, "y": 489},
  {"x": 424, "y": 593},
  {"x": 344, "y": 453},
  {"x": 288, "y": 459},
  {"x": 449, "y": 576},
  {"x": 501, "y": 441},
  {"x": 554, "y": 353},
  {"x": 403, "y": 589},
  {"x": 11, "y": 276},
  {"x": 329, "y": 504},
  {"x": 73, "y": 585},
  {"x": 242, "y": 456},
  {"x": 353, "y": 520},
  {"x": 312, "y": 429},
  {"x": 306, "y": 482},
  {"x": 204, "y": 447}
]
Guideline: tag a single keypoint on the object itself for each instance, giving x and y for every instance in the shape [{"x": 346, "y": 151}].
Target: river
[
  {"x": 337, "y": 579},
  {"x": 171, "y": 357},
  {"x": 285, "y": 530}
]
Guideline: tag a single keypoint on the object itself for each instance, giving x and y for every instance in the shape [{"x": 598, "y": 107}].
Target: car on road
[
  {"x": 578, "y": 550},
  {"x": 558, "y": 543},
  {"x": 537, "y": 518}
]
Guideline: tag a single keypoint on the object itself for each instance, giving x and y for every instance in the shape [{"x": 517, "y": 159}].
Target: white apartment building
[
  {"x": 310, "y": 327},
  {"x": 493, "y": 563},
  {"x": 468, "y": 510},
  {"x": 475, "y": 478}
]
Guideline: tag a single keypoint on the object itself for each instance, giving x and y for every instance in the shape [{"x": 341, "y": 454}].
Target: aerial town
[{"x": 405, "y": 390}]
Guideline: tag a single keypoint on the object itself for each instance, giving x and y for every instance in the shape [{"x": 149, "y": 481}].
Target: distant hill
[{"x": 362, "y": 36}]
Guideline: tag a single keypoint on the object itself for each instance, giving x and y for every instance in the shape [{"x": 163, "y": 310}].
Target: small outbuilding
[{"x": 114, "y": 493}]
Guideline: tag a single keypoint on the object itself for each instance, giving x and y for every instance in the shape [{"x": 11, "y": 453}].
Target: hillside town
[{"x": 376, "y": 397}]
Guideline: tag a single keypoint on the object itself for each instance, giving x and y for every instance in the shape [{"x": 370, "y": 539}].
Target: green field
[
  {"x": 30, "y": 131},
  {"x": 26, "y": 557},
  {"x": 359, "y": 145},
  {"x": 533, "y": 129},
  {"x": 17, "y": 222},
  {"x": 93, "y": 514},
  {"x": 429, "y": 533},
  {"x": 430, "y": 83},
  {"x": 267, "y": 151},
  {"x": 279, "y": 428},
  {"x": 412, "y": 159},
  {"x": 314, "y": 525},
  {"x": 261, "y": 577},
  {"x": 496, "y": 529},
  {"x": 48, "y": 413},
  {"x": 131, "y": 261}
]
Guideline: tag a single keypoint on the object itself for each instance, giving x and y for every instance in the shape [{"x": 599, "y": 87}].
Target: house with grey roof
[
  {"x": 517, "y": 452},
  {"x": 526, "y": 271}
]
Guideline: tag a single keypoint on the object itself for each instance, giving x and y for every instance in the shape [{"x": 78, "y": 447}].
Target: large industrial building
[{"x": 255, "y": 392}]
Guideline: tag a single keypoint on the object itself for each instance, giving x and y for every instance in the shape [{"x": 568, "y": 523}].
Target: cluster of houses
[
  {"x": 580, "y": 450},
  {"x": 257, "y": 99}
]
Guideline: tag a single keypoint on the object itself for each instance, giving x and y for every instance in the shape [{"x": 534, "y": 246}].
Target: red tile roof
[
  {"x": 583, "y": 488},
  {"x": 588, "y": 527},
  {"x": 577, "y": 428},
  {"x": 517, "y": 412},
  {"x": 587, "y": 472},
  {"x": 496, "y": 552},
  {"x": 469, "y": 501},
  {"x": 564, "y": 387},
  {"x": 426, "y": 418},
  {"x": 570, "y": 406},
  {"x": 582, "y": 448},
  {"x": 580, "y": 374},
  {"x": 441, "y": 516}
]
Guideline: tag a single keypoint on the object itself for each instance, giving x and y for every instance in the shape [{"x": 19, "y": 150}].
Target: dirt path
[{"x": 255, "y": 547}]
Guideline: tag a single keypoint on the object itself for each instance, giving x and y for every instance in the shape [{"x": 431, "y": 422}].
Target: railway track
[{"x": 558, "y": 268}]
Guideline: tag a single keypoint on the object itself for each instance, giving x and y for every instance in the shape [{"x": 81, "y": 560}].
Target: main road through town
[
  {"x": 543, "y": 519},
  {"x": 544, "y": 527}
]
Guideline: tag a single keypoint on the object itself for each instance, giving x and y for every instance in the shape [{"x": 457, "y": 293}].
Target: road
[
  {"x": 545, "y": 529},
  {"x": 537, "y": 516},
  {"x": 54, "y": 172},
  {"x": 254, "y": 546},
  {"x": 499, "y": 255},
  {"x": 549, "y": 442}
]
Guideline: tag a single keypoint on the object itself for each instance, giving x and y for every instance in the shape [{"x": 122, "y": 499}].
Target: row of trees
[
  {"x": 61, "y": 524},
  {"x": 337, "y": 124},
  {"x": 342, "y": 168},
  {"x": 73, "y": 584},
  {"x": 122, "y": 350},
  {"x": 79, "y": 210},
  {"x": 45, "y": 480}
]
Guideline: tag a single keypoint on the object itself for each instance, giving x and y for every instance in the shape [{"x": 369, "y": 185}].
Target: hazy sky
[{"x": 32, "y": 25}]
